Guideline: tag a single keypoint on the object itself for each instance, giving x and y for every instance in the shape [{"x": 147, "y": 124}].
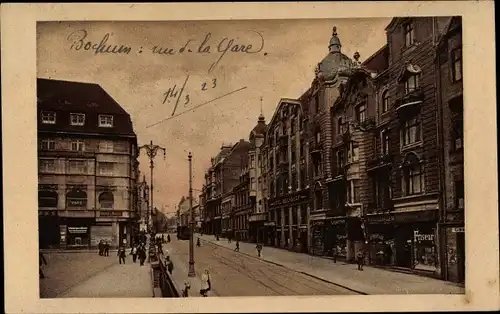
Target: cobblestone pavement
[
  {"x": 369, "y": 281},
  {"x": 65, "y": 270},
  {"x": 236, "y": 274}
]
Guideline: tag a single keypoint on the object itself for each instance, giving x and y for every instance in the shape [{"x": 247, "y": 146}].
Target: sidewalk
[
  {"x": 369, "y": 281},
  {"x": 119, "y": 280},
  {"x": 181, "y": 270}
]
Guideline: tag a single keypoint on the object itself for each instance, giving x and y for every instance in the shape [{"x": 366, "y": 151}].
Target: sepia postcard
[{"x": 296, "y": 157}]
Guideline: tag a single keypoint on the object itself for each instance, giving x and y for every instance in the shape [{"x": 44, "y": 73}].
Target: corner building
[{"x": 88, "y": 168}]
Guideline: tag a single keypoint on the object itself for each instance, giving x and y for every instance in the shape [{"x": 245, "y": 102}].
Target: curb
[{"x": 297, "y": 271}]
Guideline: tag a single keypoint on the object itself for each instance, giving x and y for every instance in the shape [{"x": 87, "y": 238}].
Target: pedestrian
[
  {"x": 198, "y": 244},
  {"x": 168, "y": 238},
  {"x": 101, "y": 248},
  {"x": 133, "y": 252},
  {"x": 335, "y": 253},
  {"x": 106, "y": 248},
  {"x": 237, "y": 248},
  {"x": 206, "y": 285},
  {"x": 229, "y": 239},
  {"x": 360, "y": 259},
  {"x": 185, "y": 291},
  {"x": 170, "y": 265},
  {"x": 142, "y": 255},
  {"x": 41, "y": 261},
  {"x": 121, "y": 254},
  {"x": 259, "y": 249},
  {"x": 162, "y": 238}
]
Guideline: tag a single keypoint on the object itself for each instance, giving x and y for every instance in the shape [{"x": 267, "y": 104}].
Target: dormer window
[
  {"x": 105, "y": 121},
  {"x": 48, "y": 117},
  {"x": 409, "y": 31},
  {"x": 77, "y": 119}
]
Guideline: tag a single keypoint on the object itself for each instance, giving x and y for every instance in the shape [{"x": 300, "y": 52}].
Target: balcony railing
[
  {"x": 410, "y": 99},
  {"x": 378, "y": 161},
  {"x": 316, "y": 148}
]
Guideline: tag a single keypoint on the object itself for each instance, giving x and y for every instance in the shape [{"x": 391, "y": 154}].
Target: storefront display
[
  {"x": 424, "y": 248},
  {"x": 78, "y": 236}
]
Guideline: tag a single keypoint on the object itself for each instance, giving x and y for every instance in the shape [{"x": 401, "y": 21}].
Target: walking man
[
  {"x": 170, "y": 265},
  {"x": 237, "y": 248},
  {"x": 198, "y": 244},
  {"x": 101, "y": 248},
  {"x": 259, "y": 249},
  {"x": 121, "y": 254},
  {"x": 106, "y": 248},
  {"x": 133, "y": 252},
  {"x": 142, "y": 255},
  {"x": 42, "y": 261}
]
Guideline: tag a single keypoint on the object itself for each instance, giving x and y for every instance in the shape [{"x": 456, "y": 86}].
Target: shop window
[
  {"x": 424, "y": 249},
  {"x": 459, "y": 194},
  {"x": 411, "y": 131},
  {"x": 385, "y": 101},
  {"x": 409, "y": 32},
  {"x": 456, "y": 64},
  {"x": 47, "y": 199},
  {"x": 76, "y": 198},
  {"x": 106, "y": 200},
  {"x": 303, "y": 214}
]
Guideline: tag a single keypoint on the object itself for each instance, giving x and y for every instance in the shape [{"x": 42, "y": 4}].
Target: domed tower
[{"x": 335, "y": 62}]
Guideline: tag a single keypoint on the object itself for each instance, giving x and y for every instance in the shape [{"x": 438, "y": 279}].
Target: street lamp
[
  {"x": 191, "y": 272},
  {"x": 151, "y": 151},
  {"x": 143, "y": 186},
  {"x": 146, "y": 197}
]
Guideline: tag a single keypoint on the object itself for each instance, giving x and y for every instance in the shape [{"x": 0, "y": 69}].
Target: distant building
[{"x": 88, "y": 168}]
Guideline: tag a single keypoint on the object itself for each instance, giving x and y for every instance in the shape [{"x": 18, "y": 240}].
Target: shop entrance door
[{"x": 403, "y": 242}]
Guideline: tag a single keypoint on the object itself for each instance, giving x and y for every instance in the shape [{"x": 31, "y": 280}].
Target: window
[
  {"x": 414, "y": 179},
  {"x": 77, "y": 166},
  {"x": 292, "y": 126},
  {"x": 459, "y": 194},
  {"x": 318, "y": 137},
  {"x": 361, "y": 113},
  {"x": 339, "y": 126},
  {"x": 354, "y": 152},
  {"x": 78, "y": 145},
  {"x": 458, "y": 135},
  {"x": 47, "y": 199},
  {"x": 456, "y": 64},
  {"x": 303, "y": 178},
  {"x": 48, "y": 145},
  {"x": 48, "y": 117},
  {"x": 77, "y": 119},
  {"x": 106, "y": 146},
  {"x": 106, "y": 200},
  {"x": 301, "y": 148},
  {"x": 317, "y": 169},
  {"x": 316, "y": 103},
  {"x": 318, "y": 199},
  {"x": 385, "y": 101},
  {"x": 252, "y": 161},
  {"x": 105, "y": 121},
  {"x": 411, "y": 83},
  {"x": 409, "y": 34},
  {"x": 386, "y": 141},
  {"x": 411, "y": 131},
  {"x": 356, "y": 191},
  {"x": 47, "y": 165},
  {"x": 76, "y": 198},
  {"x": 340, "y": 158}
]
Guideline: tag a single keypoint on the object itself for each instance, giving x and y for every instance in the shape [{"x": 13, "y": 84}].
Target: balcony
[
  {"x": 339, "y": 173},
  {"x": 367, "y": 124},
  {"x": 409, "y": 101},
  {"x": 379, "y": 161},
  {"x": 283, "y": 140},
  {"x": 316, "y": 149}
]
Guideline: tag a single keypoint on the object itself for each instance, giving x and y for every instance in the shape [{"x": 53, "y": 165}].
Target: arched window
[
  {"x": 385, "y": 101},
  {"x": 413, "y": 175},
  {"x": 47, "y": 198},
  {"x": 76, "y": 198},
  {"x": 106, "y": 200}
]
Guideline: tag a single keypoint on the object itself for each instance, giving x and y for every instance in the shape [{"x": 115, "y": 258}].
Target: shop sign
[
  {"x": 48, "y": 187},
  {"x": 383, "y": 218},
  {"x": 289, "y": 199},
  {"x": 317, "y": 223},
  {"x": 77, "y": 230},
  {"x": 376, "y": 236},
  {"x": 110, "y": 213},
  {"x": 270, "y": 223},
  {"x": 337, "y": 222},
  {"x": 77, "y": 202},
  {"x": 422, "y": 237},
  {"x": 458, "y": 229}
]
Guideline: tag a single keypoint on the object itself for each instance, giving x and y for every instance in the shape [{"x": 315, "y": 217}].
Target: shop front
[
  {"x": 339, "y": 237},
  {"x": 78, "y": 236},
  {"x": 318, "y": 234},
  {"x": 455, "y": 253},
  {"x": 405, "y": 239},
  {"x": 270, "y": 233}
]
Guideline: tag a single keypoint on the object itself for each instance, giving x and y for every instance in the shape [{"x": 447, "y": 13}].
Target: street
[{"x": 236, "y": 274}]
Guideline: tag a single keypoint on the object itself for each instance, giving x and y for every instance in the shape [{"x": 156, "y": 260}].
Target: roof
[
  {"x": 335, "y": 60},
  {"x": 379, "y": 61},
  {"x": 66, "y": 97}
]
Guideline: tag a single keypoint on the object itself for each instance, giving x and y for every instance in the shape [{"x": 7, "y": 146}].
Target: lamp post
[
  {"x": 151, "y": 151},
  {"x": 146, "y": 199},
  {"x": 143, "y": 186},
  {"x": 191, "y": 272}
]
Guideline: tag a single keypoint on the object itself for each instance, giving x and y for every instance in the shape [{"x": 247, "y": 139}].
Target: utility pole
[
  {"x": 151, "y": 151},
  {"x": 191, "y": 272}
]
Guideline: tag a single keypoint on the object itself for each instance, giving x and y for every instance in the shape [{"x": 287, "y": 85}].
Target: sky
[{"x": 215, "y": 71}]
